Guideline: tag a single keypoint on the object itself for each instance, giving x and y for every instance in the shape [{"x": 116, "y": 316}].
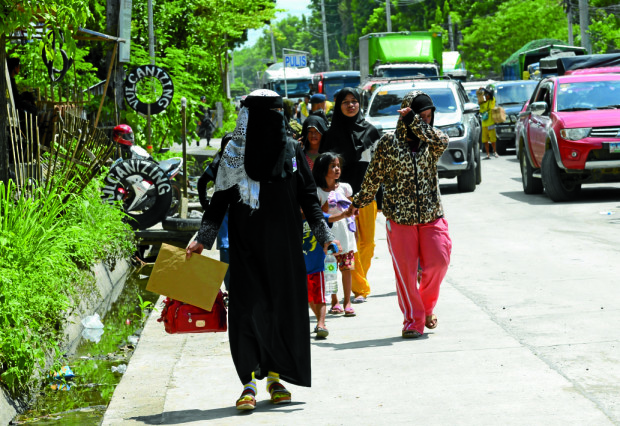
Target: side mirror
[
  {"x": 538, "y": 108},
  {"x": 471, "y": 108}
]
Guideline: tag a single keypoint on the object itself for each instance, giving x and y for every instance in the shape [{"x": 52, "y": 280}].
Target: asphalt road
[{"x": 528, "y": 333}]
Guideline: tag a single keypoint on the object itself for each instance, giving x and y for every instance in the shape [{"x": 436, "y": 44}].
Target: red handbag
[{"x": 179, "y": 317}]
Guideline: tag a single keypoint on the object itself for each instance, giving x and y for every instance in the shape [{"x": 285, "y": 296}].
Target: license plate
[{"x": 614, "y": 147}]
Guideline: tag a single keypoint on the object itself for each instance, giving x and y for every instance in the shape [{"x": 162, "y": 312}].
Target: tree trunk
[{"x": 4, "y": 122}]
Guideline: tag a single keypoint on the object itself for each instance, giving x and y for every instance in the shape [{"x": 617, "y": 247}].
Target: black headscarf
[
  {"x": 418, "y": 102},
  {"x": 349, "y": 137},
  {"x": 265, "y": 142},
  {"x": 318, "y": 123}
]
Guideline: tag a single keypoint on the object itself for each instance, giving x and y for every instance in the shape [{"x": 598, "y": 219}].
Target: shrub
[{"x": 46, "y": 251}]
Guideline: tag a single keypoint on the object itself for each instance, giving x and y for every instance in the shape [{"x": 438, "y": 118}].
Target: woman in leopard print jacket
[{"x": 405, "y": 162}]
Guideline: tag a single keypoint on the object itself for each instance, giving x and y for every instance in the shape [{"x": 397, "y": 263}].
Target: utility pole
[
  {"x": 273, "y": 45},
  {"x": 325, "y": 46},
  {"x": 584, "y": 22},
  {"x": 569, "y": 13},
  {"x": 388, "y": 15},
  {"x": 450, "y": 33}
]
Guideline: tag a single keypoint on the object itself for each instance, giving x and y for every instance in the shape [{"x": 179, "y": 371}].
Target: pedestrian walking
[
  {"x": 487, "y": 103},
  {"x": 335, "y": 199},
  {"x": 262, "y": 180},
  {"x": 313, "y": 130},
  {"x": 405, "y": 162},
  {"x": 205, "y": 126},
  {"x": 311, "y": 136},
  {"x": 352, "y": 137}
]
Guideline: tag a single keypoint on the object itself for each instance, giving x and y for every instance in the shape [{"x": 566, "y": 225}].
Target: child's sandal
[{"x": 279, "y": 394}]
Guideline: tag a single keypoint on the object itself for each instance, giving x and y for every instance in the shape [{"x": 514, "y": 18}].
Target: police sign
[{"x": 294, "y": 61}]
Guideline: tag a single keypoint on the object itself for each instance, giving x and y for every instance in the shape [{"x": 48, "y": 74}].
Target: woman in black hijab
[
  {"x": 263, "y": 178},
  {"x": 352, "y": 137}
]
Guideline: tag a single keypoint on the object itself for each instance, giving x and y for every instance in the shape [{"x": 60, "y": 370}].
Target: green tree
[
  {"x": 492, "y": 39},
  {"x": 56, "y": 16}
]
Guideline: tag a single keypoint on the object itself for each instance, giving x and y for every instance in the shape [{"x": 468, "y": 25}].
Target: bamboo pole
[{"x": 105, "y": 87}]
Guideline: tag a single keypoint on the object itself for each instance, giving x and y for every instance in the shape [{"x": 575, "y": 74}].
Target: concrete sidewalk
[{"x": 470, "y": 370}]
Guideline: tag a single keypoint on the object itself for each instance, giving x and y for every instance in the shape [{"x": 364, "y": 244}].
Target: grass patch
[{"x": 47, "y": 248}]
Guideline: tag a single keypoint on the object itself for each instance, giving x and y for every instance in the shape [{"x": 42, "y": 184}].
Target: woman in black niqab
[{"x": 262, "y": 181}]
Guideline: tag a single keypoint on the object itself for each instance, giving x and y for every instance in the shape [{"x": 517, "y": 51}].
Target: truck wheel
[
  {"x": 531, "y": 185},
  {"x": 500, "y": 147},
  {"x": 466, "y": 181},
  {"x": 558, "y": 185}
]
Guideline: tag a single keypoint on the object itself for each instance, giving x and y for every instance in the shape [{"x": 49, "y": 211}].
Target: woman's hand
[
  {"x": 404, "y": 111},
  {"x": 327, "y": 244},
  {"x": 194, "y": 247}
]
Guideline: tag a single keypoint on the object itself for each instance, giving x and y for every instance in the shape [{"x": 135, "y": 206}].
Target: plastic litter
[
  {"x": 133, "y": 340},
  {"x": 143, "y": 277},
  {"x": 195, "y": 214},
  {"x": 92, "y": 334},
  {"x": 93, "y": 321},
  {"x": 121, "y": 369},
  {"x": 607, "y": 213},
  {"x": 64, "y": 373}
]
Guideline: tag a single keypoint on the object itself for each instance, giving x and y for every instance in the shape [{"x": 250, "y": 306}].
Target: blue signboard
[{"x": 295, "y": 61}]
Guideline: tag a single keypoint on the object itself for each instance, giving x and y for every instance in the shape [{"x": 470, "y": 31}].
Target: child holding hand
[{"x": 335, "y": 199}]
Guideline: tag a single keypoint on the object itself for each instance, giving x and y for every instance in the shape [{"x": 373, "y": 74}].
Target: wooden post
[
  {"x": 183, "y": 212},
  {"x": 105, "y": 87}
]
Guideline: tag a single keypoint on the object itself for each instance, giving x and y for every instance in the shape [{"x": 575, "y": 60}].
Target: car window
[
  {"x": 330, "y": 86},
  {"x": 387, "y": 102},
  {"x": 544, "y": 95},
  {"x": 588, "y": 95},
  {"x": 513, "y": 93}
]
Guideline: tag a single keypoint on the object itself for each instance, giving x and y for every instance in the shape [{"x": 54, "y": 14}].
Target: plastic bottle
[{"x": 331, "y": 272}]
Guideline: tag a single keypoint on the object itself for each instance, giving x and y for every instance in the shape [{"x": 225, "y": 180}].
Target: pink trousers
[{"x": 430, "y": 245}]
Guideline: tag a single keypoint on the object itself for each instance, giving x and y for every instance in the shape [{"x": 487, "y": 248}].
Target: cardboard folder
[{"x": 196, "y": 281}]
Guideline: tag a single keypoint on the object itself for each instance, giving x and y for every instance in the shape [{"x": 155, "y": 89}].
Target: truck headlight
[
  {"x": 454, "y": 131},
  {"x": 575, "y": 134}
]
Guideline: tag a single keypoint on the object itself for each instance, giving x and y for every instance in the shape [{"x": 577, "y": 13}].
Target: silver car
[{"x": 454, "y": 115}]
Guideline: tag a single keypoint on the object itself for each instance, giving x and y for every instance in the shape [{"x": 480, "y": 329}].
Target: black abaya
[{"x": 268, "y": 309}]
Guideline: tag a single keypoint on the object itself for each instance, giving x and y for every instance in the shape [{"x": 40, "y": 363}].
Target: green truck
[{"x": 400, "y": 54}]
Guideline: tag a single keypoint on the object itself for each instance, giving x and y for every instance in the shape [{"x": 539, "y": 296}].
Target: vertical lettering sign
[
  {"x": 131, "y": 83},
  {"x": 295, "y": 61},
  {"x": 124, "y": 31}
]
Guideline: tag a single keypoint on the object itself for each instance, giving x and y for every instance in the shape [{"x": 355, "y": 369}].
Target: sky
[{"x": 293, "y": 7}]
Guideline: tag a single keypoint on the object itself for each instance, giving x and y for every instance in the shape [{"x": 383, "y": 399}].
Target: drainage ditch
[{"x": 97, "y": 367}]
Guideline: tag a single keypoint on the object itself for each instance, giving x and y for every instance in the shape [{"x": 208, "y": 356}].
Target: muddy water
[{"x": 90, "y": 391}]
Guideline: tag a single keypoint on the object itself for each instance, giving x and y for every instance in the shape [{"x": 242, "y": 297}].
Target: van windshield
[
  {"x": 387, "y": 103},
  {"x": 332, "y": 85}
]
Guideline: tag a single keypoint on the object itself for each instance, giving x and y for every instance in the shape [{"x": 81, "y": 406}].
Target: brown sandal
[{"x": 431, "y": 321}]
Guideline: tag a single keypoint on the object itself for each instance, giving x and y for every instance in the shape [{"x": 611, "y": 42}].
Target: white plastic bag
[{"x": 93, "y": 321}]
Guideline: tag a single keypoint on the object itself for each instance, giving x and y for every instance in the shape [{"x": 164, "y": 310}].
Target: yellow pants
[{"x": 365, "y": 223}]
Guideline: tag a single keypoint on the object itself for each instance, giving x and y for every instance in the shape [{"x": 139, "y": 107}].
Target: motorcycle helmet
[{"x": 123, "y": 135}]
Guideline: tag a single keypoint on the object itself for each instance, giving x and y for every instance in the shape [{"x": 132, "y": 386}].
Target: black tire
[
  {"x": 531, "y": 185},
  {"x": 119, "y": 186},
  {"x": 559, "y": 186},
  {"x": 178, "y": 224},
  {"x": 478, "y": 166},
  {"x": 466, "y": 181},
  {"x": 500, "y": 147}
]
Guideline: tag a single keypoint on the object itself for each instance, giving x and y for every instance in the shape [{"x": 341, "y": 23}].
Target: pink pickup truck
[{"x": 569, "y": 134}]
